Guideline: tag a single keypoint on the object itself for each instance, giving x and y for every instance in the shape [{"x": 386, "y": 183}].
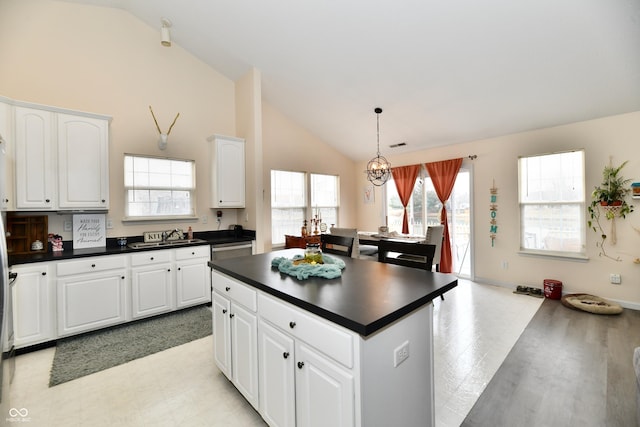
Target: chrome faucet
[{"x": 169, "y": 233}]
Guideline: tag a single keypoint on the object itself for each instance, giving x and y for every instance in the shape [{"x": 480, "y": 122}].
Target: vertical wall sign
[
  {"x": 89, "y": 231},
  {"x": 493, "y": 212}
]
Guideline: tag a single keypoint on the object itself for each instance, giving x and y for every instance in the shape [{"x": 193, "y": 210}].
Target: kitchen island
[{"x": 352, "y": 351}]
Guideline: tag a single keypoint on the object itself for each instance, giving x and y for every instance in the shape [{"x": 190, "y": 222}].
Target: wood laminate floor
[{"x": 568, "y": 368}]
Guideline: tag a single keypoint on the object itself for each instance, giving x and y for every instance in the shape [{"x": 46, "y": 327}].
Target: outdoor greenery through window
[
  {"x": 552, "y": 204},
  {"x": 459, "y": 216},
  {"x": 296, "y": 196},
  {"x": 159, "y": 187}
]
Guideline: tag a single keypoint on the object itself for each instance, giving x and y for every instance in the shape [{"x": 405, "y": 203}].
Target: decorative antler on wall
[{"x": 162, "y": 141}]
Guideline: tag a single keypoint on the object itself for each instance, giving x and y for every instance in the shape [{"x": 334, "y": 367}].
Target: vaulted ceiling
[{"x": 444, "y": 72}]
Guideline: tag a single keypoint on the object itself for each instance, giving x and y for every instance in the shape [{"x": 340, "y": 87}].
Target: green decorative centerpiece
[{"x": 609, "y": 198}]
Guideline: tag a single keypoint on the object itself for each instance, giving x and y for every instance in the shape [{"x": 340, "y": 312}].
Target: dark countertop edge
[
  {"x": 112, "y": 248},
  {"x": 359, "y": 328}
]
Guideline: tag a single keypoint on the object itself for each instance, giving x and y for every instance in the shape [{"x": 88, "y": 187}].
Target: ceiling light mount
[
  {"x": 165, "y": 34},
  {"x": 378, "y": 169}
]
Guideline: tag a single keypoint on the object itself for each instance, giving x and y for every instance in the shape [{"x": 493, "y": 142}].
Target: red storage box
[{"x": 552, "y": 289}]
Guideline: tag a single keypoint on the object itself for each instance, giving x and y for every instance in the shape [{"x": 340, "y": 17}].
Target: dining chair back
[
  {"x": 416, "y": 255},
  {"x": 334, "y": 244},
  {"x": 348, "y": 232},
  {"x": 435, "y": 234}
]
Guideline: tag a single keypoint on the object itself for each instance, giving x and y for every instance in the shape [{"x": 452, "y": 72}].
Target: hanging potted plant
[{"x": 609, "y": 197}]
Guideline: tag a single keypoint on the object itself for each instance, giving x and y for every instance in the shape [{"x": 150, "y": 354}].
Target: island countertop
[{"x": 367, "y": 297}]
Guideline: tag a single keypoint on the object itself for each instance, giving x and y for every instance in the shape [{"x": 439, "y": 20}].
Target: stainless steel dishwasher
[{"x": 231, "y": 250}]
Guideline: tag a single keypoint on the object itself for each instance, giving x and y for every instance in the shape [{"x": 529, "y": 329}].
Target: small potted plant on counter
[{"x": 609, "y": 197}]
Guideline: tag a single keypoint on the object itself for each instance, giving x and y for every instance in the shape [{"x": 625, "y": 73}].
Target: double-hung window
[
  {"x": 159, "y": 188},
  {"x": 300, "y": 196},
  {"x": 552, "y": 204}
]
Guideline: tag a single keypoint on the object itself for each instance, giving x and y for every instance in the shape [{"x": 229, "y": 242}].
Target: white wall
[
  {"x": 616, "y": 136},
  {"x": 106, "y": 61}
]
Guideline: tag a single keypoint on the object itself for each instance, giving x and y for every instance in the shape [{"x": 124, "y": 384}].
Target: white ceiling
[{"x": 444, "y": 72}]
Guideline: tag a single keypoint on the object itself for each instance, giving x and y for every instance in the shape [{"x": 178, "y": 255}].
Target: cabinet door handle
[
  {"x": 224, "y": 311},
  {"x": 292, "y": 325},
  {"x": 231, "y": 316},
  {"x": 300, "y": 365},
  {"x": 227, "y": 288},
  {"x": 285, "y": 354}
]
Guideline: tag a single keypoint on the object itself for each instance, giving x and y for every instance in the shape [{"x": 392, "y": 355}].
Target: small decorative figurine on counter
[{"x": 56, "y": 242}]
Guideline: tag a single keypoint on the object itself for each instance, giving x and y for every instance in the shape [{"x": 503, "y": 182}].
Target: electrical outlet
[
  {"x": 400, "y": 354},
  {"x": 615, "y": 278},
  {"x": 67, "y": 225},
  {"x": 505, "y": 265},
  {"x": 109, "y": 223},
  {"x": 204, "y": 219}
]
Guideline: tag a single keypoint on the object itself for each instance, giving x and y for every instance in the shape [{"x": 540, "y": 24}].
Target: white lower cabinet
[
  {"x": 193, "y": 284},
  {"x": 33, "y": 297},
  {"x": 299, "y": 384},
  {"x": 235, "y": 332},
  {"x": 91, "y": 293},
  {"x": 151, "y": 283}
]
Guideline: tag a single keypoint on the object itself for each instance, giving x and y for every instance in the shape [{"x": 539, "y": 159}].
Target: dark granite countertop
[
  {"x": 112, "y": 248},
  {"x": 369, "y": 296}
]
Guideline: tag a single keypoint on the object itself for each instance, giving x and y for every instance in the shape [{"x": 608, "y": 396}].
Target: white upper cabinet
[
  {"x": 227, "y": 172},
  {"x": 61, "y": 159},
  {"x": 83, "y": 168},
  {"x": 35, "y": 166},
  {"x": 7, "y": 199}
]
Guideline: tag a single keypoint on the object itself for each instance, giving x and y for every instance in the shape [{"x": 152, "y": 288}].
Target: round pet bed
[{"x": 591, "y": 304}]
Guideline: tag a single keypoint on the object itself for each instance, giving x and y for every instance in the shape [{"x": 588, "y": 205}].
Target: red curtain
[
  {"x": 405, "y": 179},
  {"x": 443, "y": 174}
]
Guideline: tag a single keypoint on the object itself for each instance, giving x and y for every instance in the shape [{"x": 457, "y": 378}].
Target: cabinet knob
[
  {"x": 44, "y": 273},
  {"x": 168, "y": 269},
  {"x": 300, "y": 365},
  {"x": 47, "y": 200},
  {"x": 193, "y": 253},
  {"x": 285, "y": 354},
  {"x": 122, "y": 277},
  {"x": 292, "y": 325},
  {"x": 231, "y": 316},
  {"x": 151, "y": 258},
  {"x": 227, "y": 289},
  {"x": 93, "y": 265},
  {"x": 224, "y": 311},
  {"x": 103, "y": 200},
  {"x": 179, "y": 268}
]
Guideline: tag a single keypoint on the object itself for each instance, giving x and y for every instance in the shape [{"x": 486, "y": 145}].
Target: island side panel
[{"x": 402, "y": 394}]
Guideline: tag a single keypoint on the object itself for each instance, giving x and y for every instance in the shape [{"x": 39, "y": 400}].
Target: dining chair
[
  {"x": 348, "y": 232},
  {"x": 408, "y": 254},
  {"x": 434, "y": 236},
  {"x": 338, "y": 245}
]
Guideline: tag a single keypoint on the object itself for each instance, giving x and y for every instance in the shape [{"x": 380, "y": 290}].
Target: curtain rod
[{"x": 473, "y": 156}]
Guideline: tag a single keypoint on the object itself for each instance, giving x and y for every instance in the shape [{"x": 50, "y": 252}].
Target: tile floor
[{"x": 475, "y": 327}]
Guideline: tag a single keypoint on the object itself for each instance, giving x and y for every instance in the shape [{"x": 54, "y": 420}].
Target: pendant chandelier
[{"x": 378, "y": 168}]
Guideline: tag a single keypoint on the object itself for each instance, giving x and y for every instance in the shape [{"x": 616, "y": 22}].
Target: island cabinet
[
  {"x": 307, "y": 370},
  {"x": 32, "y": 297},
  {"x": 152, "y": 286},
  {"x": 235, "y": 330},
  {"x": 91, "y": 293}
]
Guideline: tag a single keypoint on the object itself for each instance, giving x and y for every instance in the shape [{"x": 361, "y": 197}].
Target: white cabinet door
[
  {"x": 91, "y": 301},
  {"x": 192, "y": 282},
  {"x": 244, "y": 352},
  {"x": 276, "y": 372},
  {"x": 33, "y": 305},
  {"x": 220, "y": 306},
  {"x": 151, "y": 290},
  {"x": 83, "y": 169},
  {"x": 34, "y": 174},
  {"x": 227, "y": 172},
  {"x": 324, "y": 391},
  {"x": 7, "y": 199}
]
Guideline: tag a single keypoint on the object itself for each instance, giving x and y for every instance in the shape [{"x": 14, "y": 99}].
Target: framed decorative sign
[{"x": 89, "y": 231}]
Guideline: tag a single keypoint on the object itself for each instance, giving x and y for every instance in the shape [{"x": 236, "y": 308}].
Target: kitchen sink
[{"x": 166, "y": 243}]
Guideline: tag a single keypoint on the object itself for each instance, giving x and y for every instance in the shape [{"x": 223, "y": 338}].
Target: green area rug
[{"x": 92, "y": 352}]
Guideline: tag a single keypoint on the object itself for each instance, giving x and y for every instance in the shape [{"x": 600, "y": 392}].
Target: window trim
[
  {"x": 549, "y": 254},
  {"x": 161, "y": 218}
]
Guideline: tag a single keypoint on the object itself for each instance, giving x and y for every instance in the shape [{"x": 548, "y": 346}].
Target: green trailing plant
[{"x": 609, "y": 198}]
